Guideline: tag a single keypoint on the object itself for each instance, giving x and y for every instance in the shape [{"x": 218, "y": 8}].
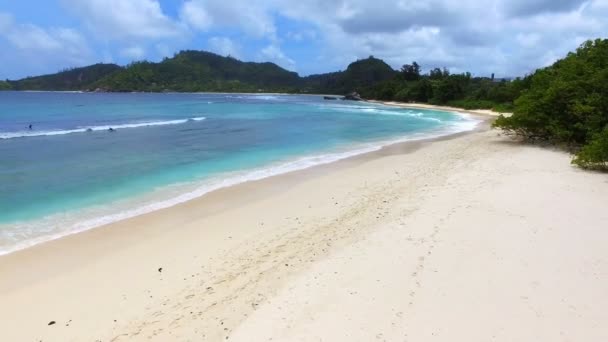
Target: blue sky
[{"x": 506, "y": 37}]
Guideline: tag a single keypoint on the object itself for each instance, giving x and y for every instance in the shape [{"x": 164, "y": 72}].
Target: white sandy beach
[
  {"x": 484, "y": 112},
  {"x": 468, "y": 238}
]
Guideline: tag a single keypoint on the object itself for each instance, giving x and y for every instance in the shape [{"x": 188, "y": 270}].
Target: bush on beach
[
  {"x": 567, "y": 104},
  {"x": 595, "y": 154}
]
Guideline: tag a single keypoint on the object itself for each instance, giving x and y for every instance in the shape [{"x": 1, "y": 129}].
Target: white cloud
[
  {"x": 506, "y": 37},
  {"x": 252, "y": 18},
  {"x": 31, "y": 37},
  {"x": 224, "y": 46},
  {"x": 40, "y": 50},
  {"x": 133, "y": 52},
  {"x": 51, "y": 43},
  {"x": 124, "y": 19},
  {"x": 273, "y": 53},
  {"x": 195, "y": 15},
  {"x": 476, "y": 35}
]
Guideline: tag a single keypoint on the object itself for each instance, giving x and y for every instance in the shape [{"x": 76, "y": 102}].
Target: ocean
[{"x": 70, "y": 172}]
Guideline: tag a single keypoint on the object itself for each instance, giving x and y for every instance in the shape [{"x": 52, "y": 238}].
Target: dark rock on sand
[{"x": 354, "y": 96}]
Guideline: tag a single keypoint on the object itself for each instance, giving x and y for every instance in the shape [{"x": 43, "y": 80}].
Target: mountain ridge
[{"x": 196, "y": 71}]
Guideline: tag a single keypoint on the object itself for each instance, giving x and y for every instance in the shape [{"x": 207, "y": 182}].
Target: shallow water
[{"x": 70, "y": 173}]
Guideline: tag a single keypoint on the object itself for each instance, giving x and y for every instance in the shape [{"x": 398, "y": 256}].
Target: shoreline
[
  {"x": 480, "y": 119},
  {"x": 483, "y": 112},
  {"x": 390, "y": 148},
  {"x": 425, "y": 239}
]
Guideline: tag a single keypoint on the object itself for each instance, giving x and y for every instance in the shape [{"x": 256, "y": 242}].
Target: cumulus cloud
[
  {"x": 224, "y": 46},
  {"x": 196, "y": 15},
  {"x": 252, "y": 18},
  {"x": 505, "y": 37},
  {"x": 40, "y": 47},
  {"x": 133, "y": 52},
  {"x": 124, "y": 19},
  {"x": 369, "y": 17},
  {"x": 484, "y": 36},
  {"x": 273, "y": 53},
  {"x": 37, "y": 41}
]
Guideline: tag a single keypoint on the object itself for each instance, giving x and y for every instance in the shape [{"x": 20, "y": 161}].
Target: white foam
[
  {"x": 254, "y": 97},
  {"x": 205, "y": 187},
  {"x": 23, "y": 134},
  {"x": 385, "y": 110}
]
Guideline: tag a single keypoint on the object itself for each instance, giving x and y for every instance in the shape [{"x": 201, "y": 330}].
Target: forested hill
[
  {"x": 73, "y": 79},
  {"x": 359, "y": 76},
  {"x": 193, "y": 71}
]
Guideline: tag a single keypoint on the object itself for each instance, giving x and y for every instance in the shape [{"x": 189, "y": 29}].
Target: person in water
[
  {"x": 30, "y": 127},
  {"x": 111, "y": 129}
]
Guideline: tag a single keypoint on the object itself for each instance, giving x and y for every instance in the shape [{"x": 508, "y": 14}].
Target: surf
[{"x": 33, "y": 133}]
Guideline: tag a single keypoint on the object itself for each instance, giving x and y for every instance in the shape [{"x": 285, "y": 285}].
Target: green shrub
[
  {"x": 595, "y": 154},
  {"x": 504, "y": 108},
  {"x": 567, "y": 104}
]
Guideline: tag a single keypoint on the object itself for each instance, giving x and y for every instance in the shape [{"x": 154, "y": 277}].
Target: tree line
[
  {"x": 440, "y": 87},
  {"x": 567, "y": 104}
]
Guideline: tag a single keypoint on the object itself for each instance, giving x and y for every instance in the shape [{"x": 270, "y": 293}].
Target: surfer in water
[
  {"x": 111, "y": 129},
  {"x": 30, "y": 127}
]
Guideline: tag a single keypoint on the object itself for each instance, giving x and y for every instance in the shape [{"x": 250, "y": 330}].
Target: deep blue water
[{"x": 59, "y": 177}]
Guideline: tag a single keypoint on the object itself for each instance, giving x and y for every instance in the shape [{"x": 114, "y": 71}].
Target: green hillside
[
  {"x": 196, "y": 71},
  {"x": 200, "y": 71},
  {"x": 5, "y": 85},
  {"x": 73, "y": 79},
  {"x": 359, "y": 76}
]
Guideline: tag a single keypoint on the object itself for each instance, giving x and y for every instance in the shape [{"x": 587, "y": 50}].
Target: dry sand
[{"x": 470, "y": 238}]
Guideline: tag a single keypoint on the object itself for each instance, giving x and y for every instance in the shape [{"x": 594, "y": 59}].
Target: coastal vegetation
[
  {"x": 4, "y": 85},
  {"x": 71, "y": 79},
  {"x": 567, "y": 104},
  {"x": 361, "y": 76},
  {"x": 197, "y": 71},
  {"x": 440, "y": 87}
]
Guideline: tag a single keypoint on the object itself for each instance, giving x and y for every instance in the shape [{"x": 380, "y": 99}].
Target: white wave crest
[
  {"x": 254, "y": 97},
  {"x": 24, "y": 134}
]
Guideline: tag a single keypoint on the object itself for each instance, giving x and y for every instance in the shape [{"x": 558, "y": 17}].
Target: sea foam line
[
  {"x": 24, "y": 134},
  {"x": 382, "y": 110},
  {"x": 241, "y": 177}
]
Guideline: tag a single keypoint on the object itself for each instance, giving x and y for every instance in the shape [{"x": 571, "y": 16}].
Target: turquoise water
[{"x": 69, "y": 172}]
